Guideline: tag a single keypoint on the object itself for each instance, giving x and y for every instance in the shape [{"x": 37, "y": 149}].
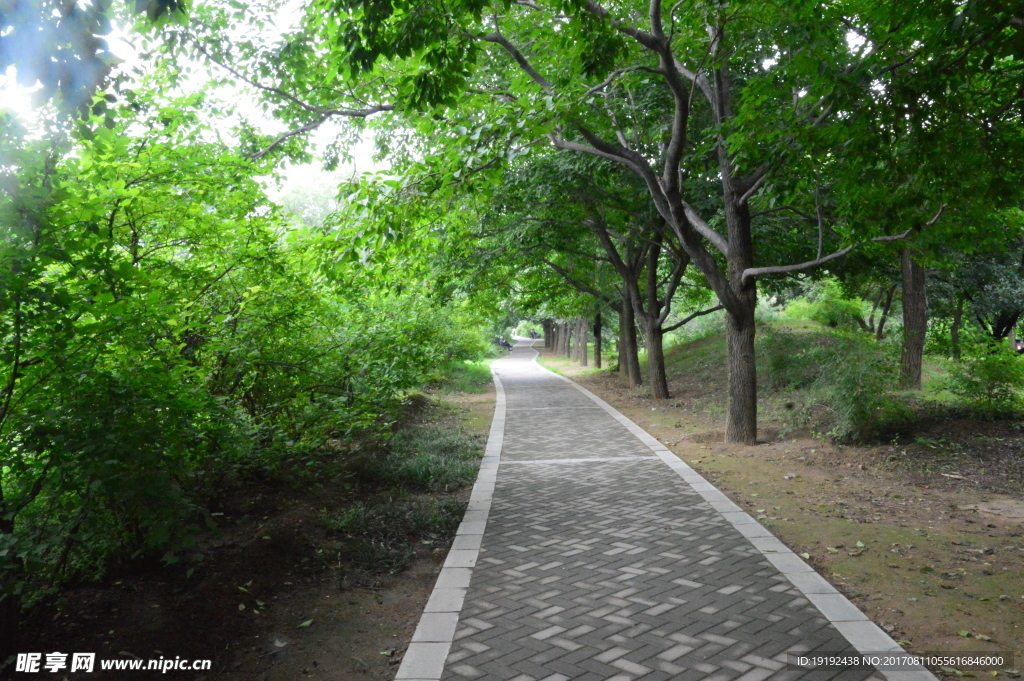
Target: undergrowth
[
  {"x": 407, "y": 498},
  {"x": 468, "y": 377},
  {"x": 846, "y": 380}
]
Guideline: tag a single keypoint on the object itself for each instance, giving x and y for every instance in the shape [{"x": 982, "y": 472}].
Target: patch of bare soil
[
  {"x": 924, "y": 535},
  {"x": 270, "y": 600}
]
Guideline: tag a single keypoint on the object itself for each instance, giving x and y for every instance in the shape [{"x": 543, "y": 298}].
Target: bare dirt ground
[
  {"x": 923, "y": 533},
  {"x": 267, "y": 603}
]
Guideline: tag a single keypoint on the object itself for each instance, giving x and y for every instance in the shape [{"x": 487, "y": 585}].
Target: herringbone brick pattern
[{"x": 617, "y": 570}]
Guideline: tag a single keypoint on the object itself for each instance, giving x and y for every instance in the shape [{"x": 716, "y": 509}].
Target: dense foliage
[{"x": 167, "y": 331}]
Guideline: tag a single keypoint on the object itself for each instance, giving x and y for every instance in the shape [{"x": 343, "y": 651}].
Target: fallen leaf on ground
[{"x": 305, "y": 624}]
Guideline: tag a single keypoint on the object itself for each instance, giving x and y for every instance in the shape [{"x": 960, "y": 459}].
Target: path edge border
[
  {"x": 847, "y": 618},
  {"x": 425, "y": 657}
]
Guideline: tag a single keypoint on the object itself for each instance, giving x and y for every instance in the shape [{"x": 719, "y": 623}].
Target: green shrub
[
  {"x": 848, "y": 376},
  {"x": 990, "y": 380},
  {"x": 787, "y": 360},
  {"x": 860, "y": 378},
  {"x": 827, "y": 304}
]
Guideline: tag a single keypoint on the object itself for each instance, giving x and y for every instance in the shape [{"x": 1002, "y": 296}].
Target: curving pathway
[{"x": 590, "y": 552}]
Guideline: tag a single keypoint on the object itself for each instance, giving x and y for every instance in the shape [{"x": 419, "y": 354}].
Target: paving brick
[{"x": 599, "y": 562}]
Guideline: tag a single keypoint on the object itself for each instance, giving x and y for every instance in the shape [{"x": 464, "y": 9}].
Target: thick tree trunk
[
  {"x": 583, "y": 341},
  {"x": 655, "y": 359},
  {"x": 741, "y": 423},
  {"x": 954, "y": 331},
  {"x": 597, "y": 340},
  {"x": 741, "y": 412},
  {"x": 915, "y": 320},
  {"x": 628, "y": 351}
]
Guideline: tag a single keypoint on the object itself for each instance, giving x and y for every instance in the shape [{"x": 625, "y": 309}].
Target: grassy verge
[{"x": 406, "y": 499}]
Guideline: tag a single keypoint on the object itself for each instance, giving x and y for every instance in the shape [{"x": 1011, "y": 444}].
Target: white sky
[{"x": 17, "y": 99}]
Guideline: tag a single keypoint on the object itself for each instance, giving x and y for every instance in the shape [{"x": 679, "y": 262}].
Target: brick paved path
[{"x": 588, "y": 558}]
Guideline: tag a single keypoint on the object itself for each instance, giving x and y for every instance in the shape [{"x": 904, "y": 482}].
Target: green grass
[
  {"x": 830, "y": 376},
  {"x": 406, "y": 498},
  {"x": 469, "y": 377},
  {"x": 382, "y": 534},
  {"x": 428, "y": 458}
]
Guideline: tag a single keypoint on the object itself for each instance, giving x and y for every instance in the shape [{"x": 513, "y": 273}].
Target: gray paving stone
[{"x": 598, "y": 559}]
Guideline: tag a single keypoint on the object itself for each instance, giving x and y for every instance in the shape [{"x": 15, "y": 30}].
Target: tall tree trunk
[
  {"x": 583, "y": 341},
  {"x": 620, "y": 342},
  {"x": 915, "y": 320},
  {"x": 651, "y": 320},
  {"x": 741, "y": 423},
  {"x": 567, "y": 342},
  {"x": 954, "y": 331},
  {"x": 597, "y": 340},
  {"x": 741, "y": 412},
  {"x": 655, "y": 358},
  {"x": 628, "y": 351}
]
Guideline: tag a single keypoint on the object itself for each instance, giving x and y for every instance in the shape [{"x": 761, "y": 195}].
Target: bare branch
[
  {"x": 753, "y": 188},
  {"x": 705, "y": 230},
  {"x": 931, "y": 223},
  {"x": 593, "y": 151},
  {"x": 752, "y": 272},
  {"x": 654, "y": 14},
  {"x": 349, "y": 113},
  {"x": 499, "y": 39},
  {"x": 696, "y": 77},
  {"x": 643, "y": 37},
  {"x": 778, "y": 208},
  {"x": 620, "y": 72},
  {"x": 687, "y": 320}
]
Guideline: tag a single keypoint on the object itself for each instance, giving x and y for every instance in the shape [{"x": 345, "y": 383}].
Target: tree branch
[
  {"x": 578, "y": 285},
  {"x": 499, "y": 39},
  {"x": 705, "y": 230},
  {"x": 753, "y": 188},
  {"x": 778, "y": 208},
  {"x": 690, "y": 318},
  {"x": 752, "y": 272},
  {"x": 620, "y": 72}
]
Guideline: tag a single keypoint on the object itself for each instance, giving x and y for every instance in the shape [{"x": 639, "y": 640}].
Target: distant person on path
[{"x": 504, "y": 343}]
